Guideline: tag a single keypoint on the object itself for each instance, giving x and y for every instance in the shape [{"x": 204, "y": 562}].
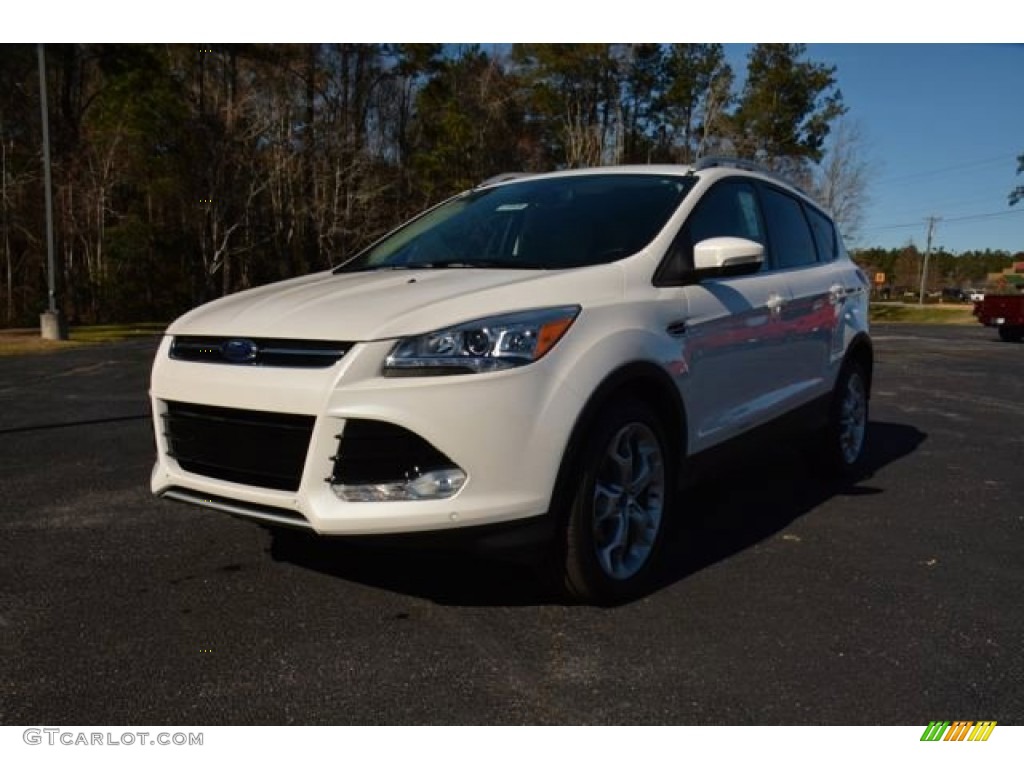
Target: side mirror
[{"x": 727, "y": 257}]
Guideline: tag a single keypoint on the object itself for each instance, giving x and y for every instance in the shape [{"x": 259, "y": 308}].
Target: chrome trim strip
[{"x": 238, "y": 510}]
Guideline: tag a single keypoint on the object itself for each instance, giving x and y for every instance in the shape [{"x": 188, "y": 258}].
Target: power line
[
  {"x": 985, "y": 215},
  {"x": 891, "y": 226},
  {"x": 957, "y": 218},
  {"x": 948, "y": 169},
  {"x": 966, "y": 204}
]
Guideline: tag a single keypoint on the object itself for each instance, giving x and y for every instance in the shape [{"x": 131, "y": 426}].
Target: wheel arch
[
  {"x": 640, "y": 380},
  {"x": 862, "y": 351}
]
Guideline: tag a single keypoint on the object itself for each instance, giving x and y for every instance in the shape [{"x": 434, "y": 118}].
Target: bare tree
[
  {"x": 713, "y": 103},
  {"x": 238, "y": 177},
  {"x": 842, "y": 178},
  {"x": 583, "y": 139}
]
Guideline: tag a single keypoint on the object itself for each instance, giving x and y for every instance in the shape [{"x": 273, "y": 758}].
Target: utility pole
[
  {"x": 51, "y": 323},
  {"x": 932, "y": 220}
]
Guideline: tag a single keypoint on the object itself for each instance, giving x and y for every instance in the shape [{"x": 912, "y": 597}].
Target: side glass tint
[
  {"x": 824, "y": 234},
  {"x": 728, "y": 209},
  {"x": 792, "y": 244}
]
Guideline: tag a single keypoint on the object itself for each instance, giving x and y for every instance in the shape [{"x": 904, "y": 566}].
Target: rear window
[
  {"x": 824, "y": 234},
  {"x": 790, "y": 236}
]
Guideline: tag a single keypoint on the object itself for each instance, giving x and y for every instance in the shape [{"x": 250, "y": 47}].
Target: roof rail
[
  {"x": 507, "y": 176},
  {"x": 725, "y": 161},
  {"x": 720, "y": 161}
]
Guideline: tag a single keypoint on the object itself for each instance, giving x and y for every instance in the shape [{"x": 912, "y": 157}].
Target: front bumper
[{"x": 506, "y": 430}]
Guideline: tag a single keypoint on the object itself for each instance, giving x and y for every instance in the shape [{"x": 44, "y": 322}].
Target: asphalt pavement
[{"x": 784, "y": 599}]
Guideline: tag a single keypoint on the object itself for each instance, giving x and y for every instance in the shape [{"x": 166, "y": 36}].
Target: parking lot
[{"x": 784, "y": 599}]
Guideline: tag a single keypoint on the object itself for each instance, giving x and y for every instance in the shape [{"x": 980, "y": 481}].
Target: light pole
[
  {"x": 927, "y": 252},
  {"x": 51, "y": 322}
]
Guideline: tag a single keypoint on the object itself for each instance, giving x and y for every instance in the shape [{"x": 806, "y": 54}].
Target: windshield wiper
[
  {"x": 476, "y": 264},
  {"x": 450, "y": 264},
  {"x": 343, "y": 269}
]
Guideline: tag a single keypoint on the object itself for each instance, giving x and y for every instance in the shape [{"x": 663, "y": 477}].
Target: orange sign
[{"x": 879, "y": 278}]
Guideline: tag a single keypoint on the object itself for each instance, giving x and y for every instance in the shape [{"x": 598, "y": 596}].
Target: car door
[
  {"x": 732, "y": 324},
  {"x": 804, "y": 246}
]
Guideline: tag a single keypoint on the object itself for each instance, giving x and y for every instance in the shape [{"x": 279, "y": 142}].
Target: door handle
[
  {"x": 676, "y": 328},
  {"x": 775, "y": 303},
  {"x": 836, "y": 294}
]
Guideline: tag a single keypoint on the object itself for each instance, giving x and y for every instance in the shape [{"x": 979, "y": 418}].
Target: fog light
[{"x": 437, "y": 484}]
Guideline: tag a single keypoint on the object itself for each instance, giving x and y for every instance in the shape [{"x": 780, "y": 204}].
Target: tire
[
  {"x": 1011, "y": 332},
  {"x": 618, "y": 507},
  {"x": 842, "y": 443}
]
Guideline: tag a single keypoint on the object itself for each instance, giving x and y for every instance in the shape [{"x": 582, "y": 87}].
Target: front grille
[
  {"x": 378, "y": 452},
  {"x": 249, "y": 447},
  {"x": 278, "y": 353}
]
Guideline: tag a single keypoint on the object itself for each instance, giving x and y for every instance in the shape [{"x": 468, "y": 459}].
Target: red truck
[{"x": 1004, "y": 312}]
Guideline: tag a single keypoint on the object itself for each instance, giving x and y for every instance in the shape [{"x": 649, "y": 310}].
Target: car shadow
[
  {"x": 720, "y": 517},
  {"x": 715, "y": 520},
  {"x": 447, "y": 575}
]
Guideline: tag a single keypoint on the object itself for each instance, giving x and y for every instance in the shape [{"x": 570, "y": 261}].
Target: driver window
[{"x": 728, "y": 209}]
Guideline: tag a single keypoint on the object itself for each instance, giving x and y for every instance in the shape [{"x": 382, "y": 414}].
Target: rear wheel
[
  {"x": 845, "y": 436},
  {"x": 617, "y": 515},
  {"x": 1011, "y": 332}
]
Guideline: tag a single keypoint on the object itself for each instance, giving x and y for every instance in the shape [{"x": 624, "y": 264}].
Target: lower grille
[
  {"x": 378, "y": 452},
  {"x": 258, "y": 448}
]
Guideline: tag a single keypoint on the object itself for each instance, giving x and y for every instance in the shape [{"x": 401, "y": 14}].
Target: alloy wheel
[
  {"x": 853, "y": 412},
  {"x": 629, "y": 501}
]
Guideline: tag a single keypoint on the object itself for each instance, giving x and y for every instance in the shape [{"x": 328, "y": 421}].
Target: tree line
[
  {"x": 184, "y": 172},
  {"x": 902, "y": 266}
]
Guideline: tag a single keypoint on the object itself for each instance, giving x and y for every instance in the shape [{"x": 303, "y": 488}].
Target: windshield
[{"x": 553, "y": 223}]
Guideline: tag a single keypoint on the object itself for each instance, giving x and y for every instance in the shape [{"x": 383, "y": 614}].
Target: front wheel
[{"x": 617, "y": 515}]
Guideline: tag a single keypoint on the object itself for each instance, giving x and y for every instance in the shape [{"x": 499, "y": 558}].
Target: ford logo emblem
[{"x": 239, "y": 350}]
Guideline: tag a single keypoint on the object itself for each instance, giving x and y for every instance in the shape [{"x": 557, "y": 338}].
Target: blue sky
[{"x": 942, "y": 126}]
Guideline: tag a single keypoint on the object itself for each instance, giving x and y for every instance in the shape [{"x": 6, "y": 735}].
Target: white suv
[{"x": 544, "y": 355}]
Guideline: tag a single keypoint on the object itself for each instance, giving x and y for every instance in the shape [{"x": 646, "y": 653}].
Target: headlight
[{"x": 488, "y": 344}]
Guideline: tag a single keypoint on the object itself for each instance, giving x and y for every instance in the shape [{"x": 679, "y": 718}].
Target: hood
[{"x": 369, "y": 306}]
